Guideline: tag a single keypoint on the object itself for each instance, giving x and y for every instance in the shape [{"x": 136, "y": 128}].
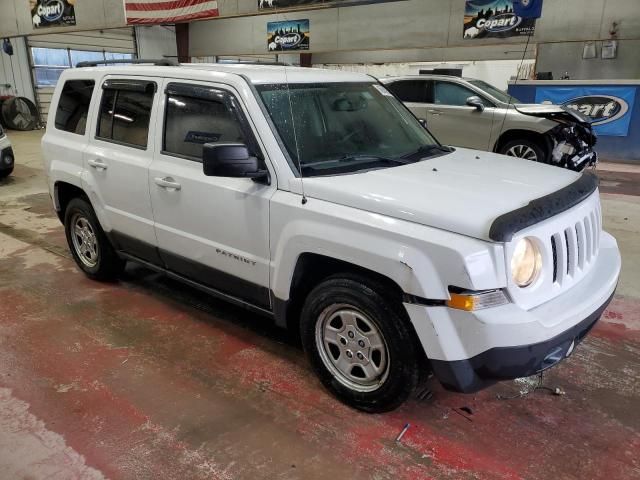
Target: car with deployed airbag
[{"x": 316, "y": 199}]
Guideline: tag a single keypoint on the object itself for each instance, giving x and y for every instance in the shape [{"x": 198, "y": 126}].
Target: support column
[{"x": 182, "y": 42}]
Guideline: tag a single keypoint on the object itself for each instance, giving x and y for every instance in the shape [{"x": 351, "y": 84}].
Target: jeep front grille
[{"x": 575, "y": 248}]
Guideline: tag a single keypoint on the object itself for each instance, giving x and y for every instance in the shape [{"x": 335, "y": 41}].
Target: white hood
[{"x": 462, "y": 192}]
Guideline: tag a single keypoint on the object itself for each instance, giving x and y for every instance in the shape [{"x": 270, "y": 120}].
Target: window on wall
[{"x": 49, "y": 63}]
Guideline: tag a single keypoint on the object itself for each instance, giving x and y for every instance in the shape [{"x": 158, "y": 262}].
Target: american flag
[{"x": 172, "y": 11}]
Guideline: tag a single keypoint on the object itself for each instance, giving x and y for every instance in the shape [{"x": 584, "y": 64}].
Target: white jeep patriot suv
[{"x": 316, "y": 198}]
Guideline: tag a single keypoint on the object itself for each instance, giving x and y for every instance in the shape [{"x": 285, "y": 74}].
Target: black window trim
[
  {"x": 131, "y": 85},
  {"x": 93, "y": 91},
  {"x": 211, "y": 94},
  {"x": 428, "y": 88}
]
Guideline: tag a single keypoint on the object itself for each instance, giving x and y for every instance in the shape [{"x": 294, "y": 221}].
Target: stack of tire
[{"x": 18, "y": 113}]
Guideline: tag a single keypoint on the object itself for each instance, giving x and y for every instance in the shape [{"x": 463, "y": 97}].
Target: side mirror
[
  {"x": 475, "y": 102},
  {"x": 230, "y": 160},
  {"x": 423, "y": 122}
]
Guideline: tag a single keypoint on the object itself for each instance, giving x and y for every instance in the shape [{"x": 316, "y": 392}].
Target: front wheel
[
  {"x": 360, "y": 344},
  {"x": 525, "y": 149}
]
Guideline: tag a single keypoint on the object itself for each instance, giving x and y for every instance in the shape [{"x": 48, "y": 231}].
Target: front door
[
  {"x": 212, "y": 230},
  {"x": 454, "y": 123}
]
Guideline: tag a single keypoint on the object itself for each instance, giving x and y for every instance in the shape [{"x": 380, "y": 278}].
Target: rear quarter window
[{"x": 73, "y": 106}]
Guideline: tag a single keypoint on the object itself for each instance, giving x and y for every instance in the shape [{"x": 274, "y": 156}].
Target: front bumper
[
  {"x": 506, "y": 363},
  {"x": 471, "y": 350}
]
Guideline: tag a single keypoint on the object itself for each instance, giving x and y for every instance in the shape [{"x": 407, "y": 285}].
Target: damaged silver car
[{"x": 474, "y": 114}]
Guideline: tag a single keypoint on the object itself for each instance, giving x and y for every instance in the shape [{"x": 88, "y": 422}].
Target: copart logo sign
[
  {"x": 47, "y": 13},
  {"x": 494, "y": 19},
  {"x": 609, "y": 108},
  {"x": 288, "y": 35},
  {"x": 601, "y": 109}
]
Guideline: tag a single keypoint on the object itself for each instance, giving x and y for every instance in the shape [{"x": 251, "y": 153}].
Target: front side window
[
  {"x": 454, "y": 94},
  {"x": 344, "y": 127},
  {"x": 191, "y": 122},
  {"x": 125, "y": 114},
  {"x": 494, "y": 92},
  {"x": 73, "y": 106}
]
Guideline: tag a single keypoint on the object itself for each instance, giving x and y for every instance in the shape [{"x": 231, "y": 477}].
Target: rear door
[
  {"x": 453, "y": 122},
  {"x": 117, "y": 161},
  {"x": 415, "y": 94},
  {"x": 212, "y": 230}
]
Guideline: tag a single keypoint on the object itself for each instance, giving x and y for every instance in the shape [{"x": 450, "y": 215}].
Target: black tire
[
  {"x": 107, "y": 264},
  {"x": 404, "y": 355},
  {"x": 5, "y": 173},
  {"x": 524, "y": 145}
]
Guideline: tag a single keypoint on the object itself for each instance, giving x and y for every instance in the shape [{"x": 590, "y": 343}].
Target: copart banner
[
  {"x": 52, "y": 13},
  {"x": 609, "y": 108},
  {"x": 277, "y": 4},
  {"x": 288, "y": 35},
  {"x": 494, "y": 19}
]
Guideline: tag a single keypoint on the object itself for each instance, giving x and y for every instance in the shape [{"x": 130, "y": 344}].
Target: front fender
[{"x": 423, "y": 261}]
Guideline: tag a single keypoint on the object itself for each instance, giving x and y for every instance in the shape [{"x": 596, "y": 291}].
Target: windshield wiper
[
  {"x": 426, "y": 151},
  {"x": 375, "y": 158}
]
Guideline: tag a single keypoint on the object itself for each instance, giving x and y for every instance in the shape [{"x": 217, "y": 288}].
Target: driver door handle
[
  {"x": 97, "y": 164},
  {"x": 434, "y": 112},
  {"x": 168, "y": 183}
]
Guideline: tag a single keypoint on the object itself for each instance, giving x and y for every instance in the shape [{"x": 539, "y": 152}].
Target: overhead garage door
[{"x": 51, "y": 54}]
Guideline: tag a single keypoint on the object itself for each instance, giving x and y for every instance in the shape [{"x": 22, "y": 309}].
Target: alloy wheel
[
  {"x": 85, "y": 241},
  {"x": 523, "y": 151}
]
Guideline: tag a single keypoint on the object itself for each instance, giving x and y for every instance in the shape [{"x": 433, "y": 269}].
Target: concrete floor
[{"x": 147, "y": 379}]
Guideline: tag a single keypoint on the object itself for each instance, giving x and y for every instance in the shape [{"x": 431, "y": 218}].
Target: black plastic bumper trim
[
  {"x": 506, "y": 226},
  {"x": 507, "y": 363}
]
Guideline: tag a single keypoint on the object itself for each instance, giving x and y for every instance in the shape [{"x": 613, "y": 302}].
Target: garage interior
[{"x": 146, "y": 378}]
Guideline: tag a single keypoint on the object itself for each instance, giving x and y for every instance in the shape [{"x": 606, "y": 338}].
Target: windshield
[
  {"x": 345, "y": 127},
  {"x": 494, "y": 92}
]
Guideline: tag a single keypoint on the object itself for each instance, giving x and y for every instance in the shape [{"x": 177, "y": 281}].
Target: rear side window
[
  {"x": 414, "y": 91},
  {"x": 73, "y": 106},
  {"x": 125, "y": 112},
  {"x": 191, "y": 122}
]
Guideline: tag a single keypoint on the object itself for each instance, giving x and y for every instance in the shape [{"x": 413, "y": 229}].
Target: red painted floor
[{"x": 147, "y": 379}]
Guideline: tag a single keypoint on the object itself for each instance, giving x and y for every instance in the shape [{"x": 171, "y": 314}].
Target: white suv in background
[
  {"x": 317, "y": 199},
  {"x": 7, "y": 159}
]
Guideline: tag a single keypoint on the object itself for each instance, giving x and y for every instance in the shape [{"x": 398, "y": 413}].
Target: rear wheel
[
  {"x": 89, "y": 245},
  {"x": 525, "y": 149},
  {"x": 360, "y": 344}
]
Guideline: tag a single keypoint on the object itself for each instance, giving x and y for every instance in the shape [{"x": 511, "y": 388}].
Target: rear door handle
[
  {"x": 97, "y": 164},
  {"x": 434, "y": 112},
  {"x": 168, "y": 183}
]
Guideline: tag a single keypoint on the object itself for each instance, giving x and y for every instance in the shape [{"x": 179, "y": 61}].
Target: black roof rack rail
[
  {"x": 162, "y": 62},
  {"x": 251, "y": 62}
]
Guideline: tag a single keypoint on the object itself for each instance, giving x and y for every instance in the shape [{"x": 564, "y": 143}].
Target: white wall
[
  {"x": 495, "y": 72},
  {"x": 408, "y": 31},
  {"x": 14, "y": 70},
  {"x": 156, "y": 41}
]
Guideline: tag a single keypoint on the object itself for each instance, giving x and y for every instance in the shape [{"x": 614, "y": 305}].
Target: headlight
[{"x": 526, "y": 263}]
